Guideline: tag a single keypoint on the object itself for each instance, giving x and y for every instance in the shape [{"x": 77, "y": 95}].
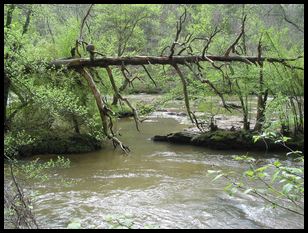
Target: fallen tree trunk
[{"x": 163, "y": 60}]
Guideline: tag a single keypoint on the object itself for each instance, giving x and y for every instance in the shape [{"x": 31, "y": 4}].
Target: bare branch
[
  {"x": 209, "y": 40},
  {"x": 260, "y": 51},
  {"x": 103, "y": 110},
  {"x": 199, "y": 77},
  {"x": 292, "y": 67},
  {"x": 232, "y": 46},
  {"x": 83, "y": 21},
  {"x": 184, "y": 84},
  {"x": 288, "y": 20},
  {"x": 115, "y": 89},
  {"x": 200, "y": 125},
  {"x": 50, "y": 31},
  {"x": 149, "y": 75},
  {"x": 162, "y": 52},
  {"x": 184, "y": 44},
  {"x": 179, "y": 25}
]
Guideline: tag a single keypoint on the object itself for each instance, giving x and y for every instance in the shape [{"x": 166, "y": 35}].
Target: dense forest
[{"x": 94, "y": 90}]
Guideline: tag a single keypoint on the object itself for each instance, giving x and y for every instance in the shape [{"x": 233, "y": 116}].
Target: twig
[
  {"x": 149, "y": 75},
  {"x": 83, "y": 21},
  {"x": 178, "y": 31},
  {"x": 231, "y": 47},
  {"x": 115, "y": 89}
]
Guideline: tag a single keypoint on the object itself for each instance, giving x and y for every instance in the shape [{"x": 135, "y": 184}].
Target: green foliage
[
  {"x": 65, "y": 39},
  {"x": 60, "y": 102},
  {"x": 145, "y": 109},
  {"x": 36, "y": 170},
  {"x": 282, "y": 186},
  {"x": 13, "y": 141}
]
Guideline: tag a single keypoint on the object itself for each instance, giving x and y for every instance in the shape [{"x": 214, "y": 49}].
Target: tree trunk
[
  {"x": 246, "y": 124},
  {"x": 98, "y": 99},
  {"x": 103, "y": 110},
  {"x": 7, "y": 84},
  {"x": 27, "y": 22},
  {"x": 260, "y": 111},
  {"x": 9, "y": 16},
  {"x": 262, "y": 98},
  {"x": 76, "y": 125},
  {"x": 164, "y": 60}
]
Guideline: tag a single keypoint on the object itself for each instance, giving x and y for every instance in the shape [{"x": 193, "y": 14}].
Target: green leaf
[
  {"x": 262, "y": 174},
  {"x": 261, "y": 169},
  {"x": 293, "y": 170},
  {"x": 232, "y": 191},
  {"x": 285, "y": 138},
  {"x": 277, "y": 164},
  {"x": 294, "y": 152},
  {"x": 228, "y": 187},
  {"x": 256, "y": 138},
  {"x": 249, "y": 173},
  {"x": 217, "y": 177},
  {"x": 248, "y": 190},
  {"x": 127, "y": 222},
  {"x": 213, "y": 171},
  {"x": 275, "y": 175},
  {"x": 74, "y": 225},
  {"x": 287, "y": 188},
  {"x": 108, "y": 218}
]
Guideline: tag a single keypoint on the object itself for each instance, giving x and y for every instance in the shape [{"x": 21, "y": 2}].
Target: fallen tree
[
  {"x": 85, "y": 66},
  {"x": 162, "y": 60}
]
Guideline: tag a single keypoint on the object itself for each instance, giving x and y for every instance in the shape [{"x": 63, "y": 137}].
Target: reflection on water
[{"x": 160, "y": 184}]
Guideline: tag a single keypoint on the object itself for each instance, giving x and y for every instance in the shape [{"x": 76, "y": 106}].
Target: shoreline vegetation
[{"x": 55, "y": 144}]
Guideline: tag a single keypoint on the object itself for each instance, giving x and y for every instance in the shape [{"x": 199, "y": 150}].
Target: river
[{"x": 158, "y": 185}]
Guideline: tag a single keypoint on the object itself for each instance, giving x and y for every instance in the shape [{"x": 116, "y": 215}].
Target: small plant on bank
[{"x": 145, "y": 109}]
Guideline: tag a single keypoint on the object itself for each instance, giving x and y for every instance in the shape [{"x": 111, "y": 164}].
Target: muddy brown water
[{"x": 158, "y": 185}]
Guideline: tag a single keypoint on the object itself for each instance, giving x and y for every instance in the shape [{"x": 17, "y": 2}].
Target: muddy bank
[{"x": 226, "y": 140}]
